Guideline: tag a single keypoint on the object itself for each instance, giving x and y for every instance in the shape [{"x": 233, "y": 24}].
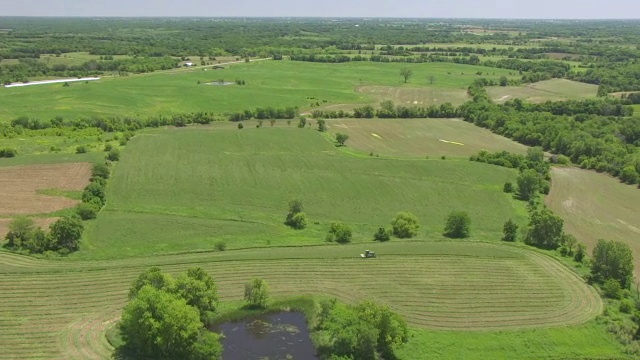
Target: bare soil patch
[{"x": 19, "y": 186}]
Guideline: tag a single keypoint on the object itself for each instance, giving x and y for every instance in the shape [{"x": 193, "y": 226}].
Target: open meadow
[
  {"x": 596, "y": 206},
  {"x": 186, "y": 189},
  {"x": 508, "y": 292},
  {"x": 548, "y": 90},
  {"x": 421, "y": 137},
  {"x": 268, "y": 83}
]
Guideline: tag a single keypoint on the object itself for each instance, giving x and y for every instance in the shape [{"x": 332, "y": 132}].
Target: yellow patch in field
[
  {"x": 451, "y": 142},
  {"x": 376, "y": 135}
]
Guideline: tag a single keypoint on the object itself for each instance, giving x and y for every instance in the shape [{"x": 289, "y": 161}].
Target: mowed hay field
[
  {"x": 548, "y": 90},
  {"x": 61, "y": 310},
  {"x": 597, "y": 206},
  {"x": 186, "y": 189},
  {"x": 268, "y": 83},
  {"x": 421, "y": 137}
]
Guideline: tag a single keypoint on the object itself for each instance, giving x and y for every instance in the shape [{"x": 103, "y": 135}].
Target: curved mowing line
[{"x": 74, "y": 303}]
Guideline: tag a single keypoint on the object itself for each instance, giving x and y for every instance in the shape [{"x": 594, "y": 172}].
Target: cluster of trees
[
  {"x": 389, "y": 110},
  {"x": 63, "y": 236},
  {"x": 166, "y": 317},
  {"x": 265, "y": 113},
  {"x": 8, "y": 153},
  {"x": 366, "y": 331},
  {"x": 615, "y": 76},
  {"x": 604, "y": 143},
  {"x": 296, "y": 218}
]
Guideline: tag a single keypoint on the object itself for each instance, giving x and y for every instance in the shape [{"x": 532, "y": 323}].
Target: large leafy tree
[
  {"x": 160, "y": 325},
  {"x": 612, "y": 260},
  {"x": 153, "y": 277},
  {"x": 405, "y": 225},
  {"x": 545, "y": 230},
  {"x": 66, "y": 233},
  {"x": 458, "y": 225},
  {"x": 199, "y": 290}
]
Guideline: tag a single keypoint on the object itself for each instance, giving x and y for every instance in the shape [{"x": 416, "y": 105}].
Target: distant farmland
[
  {"x": 421, "y": 137},
  {"x": 548, "y": 90},
  {"x": 596, "y": 206}
]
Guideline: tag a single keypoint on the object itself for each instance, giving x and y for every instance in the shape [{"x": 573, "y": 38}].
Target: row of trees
[{"x": 63, "y": 236}]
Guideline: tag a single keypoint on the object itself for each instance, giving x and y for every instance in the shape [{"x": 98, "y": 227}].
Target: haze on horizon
[{"x": 505, "y": 9}]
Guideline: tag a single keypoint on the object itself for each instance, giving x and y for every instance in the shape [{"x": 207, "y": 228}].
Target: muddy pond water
[{"x": 280, "y": 336}]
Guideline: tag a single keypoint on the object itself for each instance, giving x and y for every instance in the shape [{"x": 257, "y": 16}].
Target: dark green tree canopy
[{"x": 612, "y": 260}]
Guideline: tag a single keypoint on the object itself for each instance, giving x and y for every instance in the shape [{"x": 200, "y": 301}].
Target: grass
[
  {"x": 462, "y": 286},
  {"x": 596, "y": 206},
  {"x": 269, "y": 83},
  {"x": 52, "y": 158},
  {"x": 421, "y": 137},
  {"x": 185, "y": 189},
  {"x": 548, "y": 90}
]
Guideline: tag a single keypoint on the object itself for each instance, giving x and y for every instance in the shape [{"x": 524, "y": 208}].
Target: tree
[
  {"x": 20, "y": 230},
  {"x": 199, "y": 290},
  {"x": 528, "y": 184},
  {"x": 431, "y": 79},
  {"x": 383, "y": 234},
  {"x": 296, "y": 218},
  {"x": 612, "y": 260},
  {"x": 159, "y": 325},
  {"x": 342, "y": 138},
  {"x": 510, "y": 231},
  {"x": 66, "y": 232},
  {"x": 611, "y": 289},
  {"x": 322, "y": 125},
  {"x": 341, "y": 232},
  {"x": 581, "y": 252},
  {"x": 406, "y": 73},
  {"x": 95, "y": 193},
  {"x": 545, "y": 230},
  {"x": 272, "y": 122},
  {"x": 629, "y": 175},
  {"x": 508, "y": 187},
  {"x": 535, "y": 155},
  {"x": 153, "y": 277},
  {"x": 504, "y": 81},
  {"x": 405, "y": 225},
  {"x": 458, "y": 225},
  {"x": 569, "y": 243},
  {"x": 302, "y": 122},
  {"x": 100, "y": 170},
  {"x": 256, "y": 293}
]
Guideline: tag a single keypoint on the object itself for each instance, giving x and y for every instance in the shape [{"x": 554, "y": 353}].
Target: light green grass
[
  {"x": 421, "y": 137},
  {"x": 186, "y": 189},
  {"x": 269, "y": 83},
  {"x": 53, "y": 158},
  {"x": 435, "y": 285},
  {"x": 548, "y": 90}
]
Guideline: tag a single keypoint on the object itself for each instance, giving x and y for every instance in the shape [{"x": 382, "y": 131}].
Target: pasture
[
  {"x": 186, "y": 189},
  {"x": 548, "y": 90},
  {"x": 421, "y": 137},
  {"x": 596, "y": 206},
  {"x": 52, "y": 309},
  {"x": 268, "y": 83}
]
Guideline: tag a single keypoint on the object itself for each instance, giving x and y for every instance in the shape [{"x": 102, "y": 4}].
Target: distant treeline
[
  {"x": 30, "y": 68},
  {"x": 265, "y": 113}
]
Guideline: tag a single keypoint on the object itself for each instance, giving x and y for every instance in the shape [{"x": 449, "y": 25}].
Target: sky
[{"x": 518, "y": 9}]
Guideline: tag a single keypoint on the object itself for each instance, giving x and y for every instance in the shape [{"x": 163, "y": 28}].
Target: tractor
[{"x": 368, "y": 254}]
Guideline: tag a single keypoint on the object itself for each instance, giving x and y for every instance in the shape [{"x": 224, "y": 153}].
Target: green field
[
  {"x": 421, "y": 137},
  {"x": 186, "y": 189},
  {"x": 53, "y": 309},
  {"x": 548, "y": 90},
  {"x": 591, "y": 213},
  {"x": 269, "y": 83}
]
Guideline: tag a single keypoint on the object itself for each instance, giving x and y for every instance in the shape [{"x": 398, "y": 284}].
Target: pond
[{"x": 277, "y": 336}]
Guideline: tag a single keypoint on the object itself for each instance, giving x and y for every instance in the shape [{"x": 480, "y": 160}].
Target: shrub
[
  {"x": 256, "y": 293},
  {"x": 108, "y": 147},
  {"x": 510, "y": 230},
  {"x": 240, "y": 126},
  {"x": 627, "y": 306},
  {"x": 221, "y": 246},
  {"x": 508, "y": 187},
  {"x": 383, "y": 234},
  {"x": 8, "y": 153},
  {"x": 611, "y": 289},
  {"x": 342, "y": 138},
  {"x": 113, "y": 155},
  {"x": 54, "y": 148},
  {"x": 123, "y": 141},
  {"x": 81, "y": 149},
  {"x": 87, "y": 211},
  {"x": 443, "y": 157},
  {"x": 581, "y": 252},
  {"x": 94, "y": 193},
  {"x": 341, "y": 232},
  {"x": 298, "y": 221},
  {"x": 405, "y": 225},
  {"x": 458, "y": 224}
]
